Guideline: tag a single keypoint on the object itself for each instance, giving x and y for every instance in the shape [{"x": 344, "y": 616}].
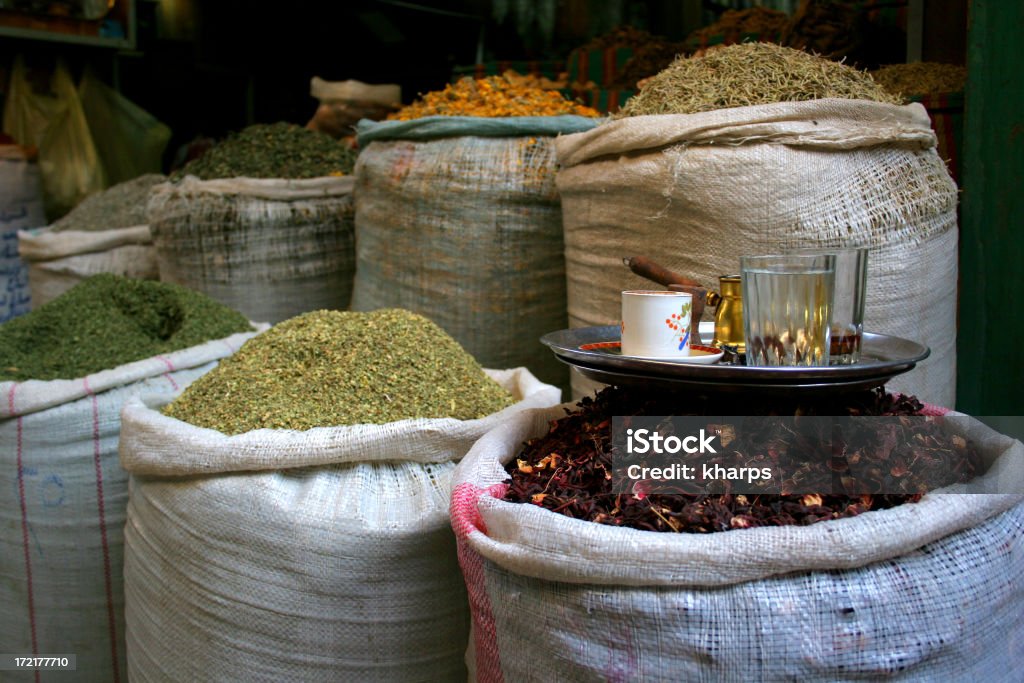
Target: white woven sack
[
  {"x": 270, "y": 248},
  {"x": 21, "y": 207},
  {"x": 57, "y": 261},
  {"x": 932, "y": 591},
  {"x": 695, "y": 192},
  {"x": 279, "y": 555},
  {"x": 63, "y": 508}
]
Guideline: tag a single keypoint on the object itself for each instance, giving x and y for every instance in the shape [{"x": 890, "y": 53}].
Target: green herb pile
[
  {"x": 277, "y": 150},
  {"x": 107, "y": 321},
  {"x": 747, "y": 74},
  {"x": 330, "y": 368},
  {"x": 119, "y": 206}
]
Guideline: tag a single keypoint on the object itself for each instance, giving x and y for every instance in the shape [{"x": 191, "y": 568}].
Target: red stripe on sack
[
  {"x": 174, "y": 385},
  {"x": 24, "y": 535},
  {"x": 169, "y": 364},
  {"x": 107, "y": 581},
  {"x": 10, "y": 399},
  {"x": 466, "y": 519}
]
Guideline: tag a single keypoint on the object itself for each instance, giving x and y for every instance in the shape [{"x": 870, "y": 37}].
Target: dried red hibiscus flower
[{"x": 569, "y": 469}]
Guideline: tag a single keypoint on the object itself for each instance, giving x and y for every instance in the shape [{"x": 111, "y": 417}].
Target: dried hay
[{"x": 749, "y": 74}]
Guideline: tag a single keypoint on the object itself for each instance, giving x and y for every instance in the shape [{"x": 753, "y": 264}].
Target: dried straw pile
[
  {"x": 749, "y": 74},
  {"x": 921, "y": 78}
]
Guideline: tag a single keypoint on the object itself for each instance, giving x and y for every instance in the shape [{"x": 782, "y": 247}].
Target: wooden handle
[
  {"x": 646, "y": 268},
  {"x": 700, "y": 296}
]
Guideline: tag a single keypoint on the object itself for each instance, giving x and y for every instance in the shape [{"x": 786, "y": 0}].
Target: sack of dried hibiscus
[{"x": 932, "y": 590}]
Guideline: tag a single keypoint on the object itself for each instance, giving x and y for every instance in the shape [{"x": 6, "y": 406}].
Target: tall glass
[
  {"x": 787, "y": 308},
  {"x": 847, "y": 303}
]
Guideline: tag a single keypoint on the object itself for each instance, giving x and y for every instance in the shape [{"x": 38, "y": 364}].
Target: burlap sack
[
  {"x": 63, "y": 508},
  {"x": 695, "y": 192},
  {"x": 457, "y": 218},
  {"x": 925, "y": 592},
  {"x": 279, "y": 555},
  {"x": 272, "y": 249}
]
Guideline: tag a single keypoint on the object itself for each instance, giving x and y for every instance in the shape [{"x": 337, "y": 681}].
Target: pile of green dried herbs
[
  {"x": 749, "y": 74},
  {"x": 107, "y": 321},
  {"x": 331, "y": 368},
  {"x": 119, "y": 206},
  {"x": 277, "y": 150}
]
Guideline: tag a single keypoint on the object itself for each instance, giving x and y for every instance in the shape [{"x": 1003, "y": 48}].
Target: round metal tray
[{"x": 882, "y": 357}]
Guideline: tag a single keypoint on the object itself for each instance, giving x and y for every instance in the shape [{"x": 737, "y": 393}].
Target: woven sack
[
  {"x": 21, "y": 206},
  {"x": 270, "y": 248},
  {"x": 63, "y": 508},
  {"x": 57, "y": 261},
  {"x": 695, "y": 192},
  {"x": 932, "y": 591},
  {"x": 279, "y": 555},
  {"x": 457, "y": 218}
]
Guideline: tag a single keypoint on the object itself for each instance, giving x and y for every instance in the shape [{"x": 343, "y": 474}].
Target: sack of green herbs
[
  {"x": 262, "y": 222},
  {"x": 754, "y": 149},
  {"x": 106, "y": 232},
  {"x": 569, "y": 580},
  {"x": 66, "y": 370},
  {"x": 288, "y": 515}
]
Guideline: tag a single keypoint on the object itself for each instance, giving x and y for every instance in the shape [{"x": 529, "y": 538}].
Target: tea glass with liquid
[{"x": 787, "y": 308}]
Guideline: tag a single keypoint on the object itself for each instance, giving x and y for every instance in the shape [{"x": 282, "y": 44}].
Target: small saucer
[{"x": 699, "y": 354}]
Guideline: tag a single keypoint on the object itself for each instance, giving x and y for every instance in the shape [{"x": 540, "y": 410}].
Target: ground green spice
[
  {"x": 119, "y": 206},
  {"x": 329, "y": 368},
  {"x": 748, "y": 74},
  {"x": 277, "y": 150},
  {"x": 107, "y": 321}
]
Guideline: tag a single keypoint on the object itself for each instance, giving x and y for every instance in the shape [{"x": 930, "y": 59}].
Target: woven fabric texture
[
  {"x": 335, "y": 562},
  {"x": 928, "y": 591},
  {"x": 272, "y": 249},
  {"x": 696, "y": 192},
  {"x": 63, "y": 510},
  {"x": 466, "y": 230}
]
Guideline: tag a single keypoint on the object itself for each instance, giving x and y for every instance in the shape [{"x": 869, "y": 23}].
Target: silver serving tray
[{"x": 882, "y": 357}]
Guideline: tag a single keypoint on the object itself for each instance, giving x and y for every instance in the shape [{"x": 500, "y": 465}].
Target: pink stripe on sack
[
  {"x": 108, "y": 582},
  {"x": 25, "y": 536},
  {"x": 169, "y": 364},
  {"x": 10, "y": 399},
  {"x": 465, "y": 521}
]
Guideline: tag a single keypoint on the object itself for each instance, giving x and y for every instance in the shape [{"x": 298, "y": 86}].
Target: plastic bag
[
  {"x": 56, "y": 124},
  {"x": 130, "y": 140}
]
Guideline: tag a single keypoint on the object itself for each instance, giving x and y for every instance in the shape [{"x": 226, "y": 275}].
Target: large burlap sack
[
  {"x": 63, "y": 508},
  {"x": 458, "y": 219},
  {"x": 695, "y": 192},
  {"x": 21, "y": 206},
  {"x": 270, "y": 248},
  {"x": 932, "y": 591},
  {"x": 57, "y": 261},
  {"x": 279, "y": 555}
]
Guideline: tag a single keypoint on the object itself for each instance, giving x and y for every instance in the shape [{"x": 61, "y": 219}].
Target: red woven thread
[
  {"x": 107, "y": 581},
  {"x": 466, "y": 520}
]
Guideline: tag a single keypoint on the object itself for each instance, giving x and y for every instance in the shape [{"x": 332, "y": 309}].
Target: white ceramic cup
[{"x": 656, "y": 324}]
